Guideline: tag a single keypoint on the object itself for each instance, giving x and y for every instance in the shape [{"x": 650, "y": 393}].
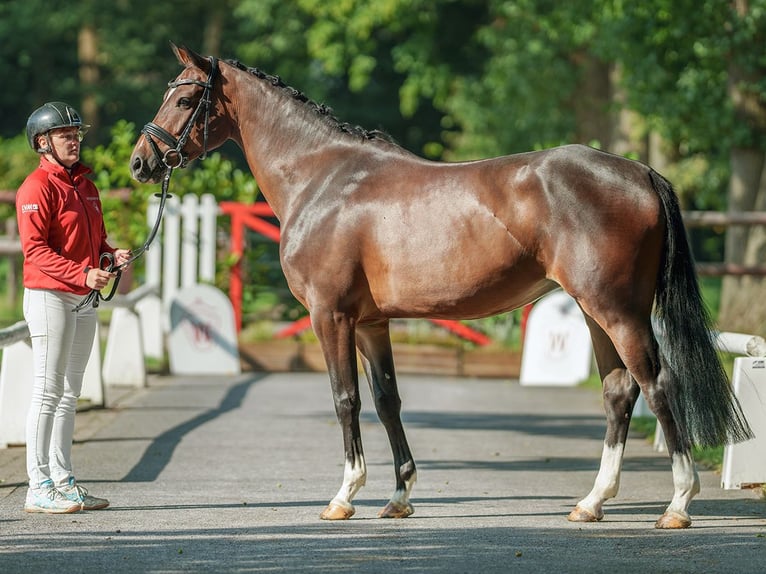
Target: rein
[{"x": 172, "y": 158}]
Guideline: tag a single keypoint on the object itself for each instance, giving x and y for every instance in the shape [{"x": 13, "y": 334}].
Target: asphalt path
[{"x": 229, "y": 474}]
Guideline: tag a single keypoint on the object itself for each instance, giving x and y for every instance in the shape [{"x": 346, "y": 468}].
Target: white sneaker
[
  {"x": 48, "y": 500},
  {"x": 73, "y": 492}
]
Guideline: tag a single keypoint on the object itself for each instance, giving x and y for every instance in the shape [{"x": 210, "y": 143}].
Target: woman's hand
[
  {"x": 98, "y": 278},
  {"x": 121, "y": 256}
]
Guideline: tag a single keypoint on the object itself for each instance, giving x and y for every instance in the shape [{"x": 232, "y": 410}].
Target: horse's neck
[{"x": 278, "y": 135}]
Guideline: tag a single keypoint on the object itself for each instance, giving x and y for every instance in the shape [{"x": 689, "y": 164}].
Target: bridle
[
  {"x": 175, "y": 146},
  {"x": 175, "y": 150}
]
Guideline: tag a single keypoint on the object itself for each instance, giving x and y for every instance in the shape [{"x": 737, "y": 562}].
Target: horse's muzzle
[{"x": 142, "y": 170}]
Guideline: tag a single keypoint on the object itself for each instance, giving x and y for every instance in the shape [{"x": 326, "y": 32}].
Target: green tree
[
  {"x": 340, "y": 54},
  {"x": 109, "y": 59},
  {"x": 697, "y": 72}
]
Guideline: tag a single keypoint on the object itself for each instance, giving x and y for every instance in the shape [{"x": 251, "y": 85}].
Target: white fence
[
  {"x": 16, "y": 381},
  {"x": 186, "y": 257},
  {"x": 744, "y": 464}
]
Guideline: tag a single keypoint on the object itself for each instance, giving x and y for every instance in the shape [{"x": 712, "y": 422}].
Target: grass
[{"x": 711, "y": 458}]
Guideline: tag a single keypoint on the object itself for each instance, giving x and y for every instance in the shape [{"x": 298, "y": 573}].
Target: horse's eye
[{"x": 184, "y": 102}]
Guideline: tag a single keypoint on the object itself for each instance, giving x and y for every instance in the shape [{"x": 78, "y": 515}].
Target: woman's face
[{"x": 65, "y": 145}]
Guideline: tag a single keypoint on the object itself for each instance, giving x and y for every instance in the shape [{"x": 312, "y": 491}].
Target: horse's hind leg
[
  {"x": 686, "y": 483},
  {"x": 374, "y": 346},
  {"x": 634, "y": 342},
  {"x": 646, "y": 364},
  {"x": 620, "y": 392}
]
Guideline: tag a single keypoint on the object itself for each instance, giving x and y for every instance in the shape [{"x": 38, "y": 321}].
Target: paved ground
[{"x": 230, "y": 475}]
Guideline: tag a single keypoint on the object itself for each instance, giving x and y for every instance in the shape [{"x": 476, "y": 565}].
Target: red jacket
[{"x": 61, "y": 227}]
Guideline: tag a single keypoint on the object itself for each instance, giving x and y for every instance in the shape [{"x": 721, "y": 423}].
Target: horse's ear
[{"x": 187, "y": 57}]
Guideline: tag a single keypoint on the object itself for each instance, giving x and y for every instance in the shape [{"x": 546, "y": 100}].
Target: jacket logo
[{"x": 27, "y": 207}]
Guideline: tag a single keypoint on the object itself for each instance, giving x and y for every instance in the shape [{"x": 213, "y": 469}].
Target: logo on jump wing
[
  {"x": 557, "y": 343},
  {"x": 201, "y": 325}
]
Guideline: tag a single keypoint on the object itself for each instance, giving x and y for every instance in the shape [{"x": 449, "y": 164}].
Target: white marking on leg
[
  {"x": 607, "y": 481},
  {"x": 354, "y": 478},
  {"x": 402, "y": 497},
  {"x": 686, "y": 483}
]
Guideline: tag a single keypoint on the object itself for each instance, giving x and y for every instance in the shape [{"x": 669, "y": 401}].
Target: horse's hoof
[
  {"x": 672, "y": 519},
  {"x": 579, "y": 514},
  {"x": 395, "y": 510},
  {"x": 337, "y": 511}
]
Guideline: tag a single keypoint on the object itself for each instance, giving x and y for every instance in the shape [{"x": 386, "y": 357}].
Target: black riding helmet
[{"x": 50, "y": 116}]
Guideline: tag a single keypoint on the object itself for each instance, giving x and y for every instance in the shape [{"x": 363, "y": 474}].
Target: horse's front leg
[
  {"x": 335, "y": 332},
  {"x": 377, "y": 358}
]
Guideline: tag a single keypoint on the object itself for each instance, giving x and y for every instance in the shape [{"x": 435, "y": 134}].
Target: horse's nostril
[
  {"x": 140, "y": 169},
  {"x": 137, "y": 168}
]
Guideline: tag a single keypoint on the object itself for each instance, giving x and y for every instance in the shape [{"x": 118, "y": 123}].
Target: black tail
[{"x": 700, "y": 396}]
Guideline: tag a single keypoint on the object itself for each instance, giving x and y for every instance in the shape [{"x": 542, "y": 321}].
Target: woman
[{"x": 62, "y": 238}]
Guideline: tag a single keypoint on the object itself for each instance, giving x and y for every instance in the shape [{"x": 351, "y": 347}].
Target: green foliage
[
  {"x": 517, "y": 100},
  {"x": 16, "y": 161},
  {"x": 679, "y": 57},
  {"x": 706, "y": 457},
  {"x": 41, "y": 54},
  {"x": 503, "y": 329},
  {"x": 344, "y": 54},
  {"x": 219, "y": 176}
]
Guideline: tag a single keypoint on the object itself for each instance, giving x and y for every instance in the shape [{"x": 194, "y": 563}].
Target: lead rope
[{"x": 106, "y": 260}]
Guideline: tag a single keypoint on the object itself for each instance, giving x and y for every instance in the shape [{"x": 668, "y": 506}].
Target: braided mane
[{"x": 321, "y": 110}]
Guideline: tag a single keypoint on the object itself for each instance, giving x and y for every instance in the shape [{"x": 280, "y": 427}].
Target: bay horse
[{"x": 371, "y": 232}]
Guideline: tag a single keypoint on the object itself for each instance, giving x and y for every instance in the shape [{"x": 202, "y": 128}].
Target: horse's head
[{"x": 187, "y": 124}]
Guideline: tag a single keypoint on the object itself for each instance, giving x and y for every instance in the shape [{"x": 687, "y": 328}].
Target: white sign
[
  {"x": 203, "y": 336},
  {"x": 557, "y": 346},
  {"x": 744, "y": 464}
]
